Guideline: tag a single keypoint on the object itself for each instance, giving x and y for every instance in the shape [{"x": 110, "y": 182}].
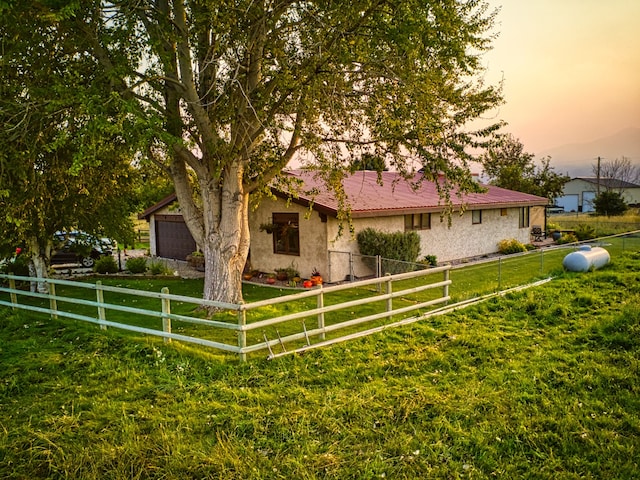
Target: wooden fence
[{"x": 293, "y": 323}]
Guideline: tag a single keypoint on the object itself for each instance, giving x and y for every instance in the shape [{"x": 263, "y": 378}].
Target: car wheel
[{"x": 87, "y": 262}]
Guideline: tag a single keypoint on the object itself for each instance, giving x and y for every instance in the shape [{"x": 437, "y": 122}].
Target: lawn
[
  {"x": 601, "y": 224},
  {"x": 544, "y": 383}
]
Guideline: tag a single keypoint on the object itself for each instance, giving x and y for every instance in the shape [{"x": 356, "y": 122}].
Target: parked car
[{"x": 80, "y": 248}]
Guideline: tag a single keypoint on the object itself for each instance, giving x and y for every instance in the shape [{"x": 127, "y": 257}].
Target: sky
[{"x": 571, "y": 69}]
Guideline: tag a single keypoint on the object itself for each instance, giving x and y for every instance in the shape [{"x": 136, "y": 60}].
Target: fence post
[
  {"x": 14, "y": 297},
  {"x": 53, "y": 303},
  {"x": 242, "y": 333},
  {"x": 320, "y": 304},
  {"x": 351, "y": 270},
  {"x": 445, "y": 289},
  {"x": 102, "y": 316},
  {"x": 166, "y": 311},
  {"x": 389, "y": 284},
  {"x": 499, "y": 273}
]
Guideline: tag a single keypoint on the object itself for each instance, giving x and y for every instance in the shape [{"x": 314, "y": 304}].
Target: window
[
  {"x": 503, "y": 212},
  {"x": 476, "y": 217},
  {"x": 417, "y": 221},
  {"x": 286, "y": 235},
  {"x": 523, "y": 221}
]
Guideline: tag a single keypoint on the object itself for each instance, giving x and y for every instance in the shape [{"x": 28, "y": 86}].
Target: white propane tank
[{"x": 586, "y": 258}]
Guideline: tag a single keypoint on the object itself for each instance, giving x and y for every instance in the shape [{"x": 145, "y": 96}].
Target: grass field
[
  {"x": 544, "y": 383},
  {"x": 602, "y": 225}
]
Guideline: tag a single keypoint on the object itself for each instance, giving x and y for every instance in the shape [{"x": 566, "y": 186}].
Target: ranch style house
[{"x": 305, "y": 231}]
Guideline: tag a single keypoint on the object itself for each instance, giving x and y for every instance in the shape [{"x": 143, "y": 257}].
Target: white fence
[{"x": 248, "y": 338}]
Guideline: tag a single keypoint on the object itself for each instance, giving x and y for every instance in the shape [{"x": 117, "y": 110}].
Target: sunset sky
[{"x": 571, "y": 69}]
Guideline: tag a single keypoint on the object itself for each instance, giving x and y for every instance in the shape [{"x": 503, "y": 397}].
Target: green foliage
[
  {"x": 105, "y": 264},
  {"x": 610, "y": 204},
  {"x": 158, "y": 267},
  {"x": 248, "y": 82},
  {"x": 567, "y": 238},
  {"x": 137, "y": 265},
  {"x": 584, "y": 232},
  {"x": 16, "y": 265},
  {"x": 64, "y": 161},
  {"x": 431, "y": 260},
  {"x": 404, "y": 246},
  {"x": 552, "y": 227},
  {"x": 509, "y": 166},
  {"x": 533, "y": 384},
  {"x": 369, "y": 162},
  {"x": 512, "y": 245}
]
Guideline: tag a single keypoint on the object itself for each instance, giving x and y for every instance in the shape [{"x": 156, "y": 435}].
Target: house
[
  {"x": 305, "y": 232},
  {"x": 579, "y": 193}
]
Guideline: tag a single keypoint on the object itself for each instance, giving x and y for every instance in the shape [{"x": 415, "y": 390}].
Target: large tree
[
  {"x": 228, "y": 92},
  {"x": 508, "y": 165},
  {"x": 618, "y": 174},
  {"x": 54, "y": 174}
]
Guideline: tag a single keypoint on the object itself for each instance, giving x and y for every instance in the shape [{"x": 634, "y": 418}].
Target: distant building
[{"x": 579, "y": 193}]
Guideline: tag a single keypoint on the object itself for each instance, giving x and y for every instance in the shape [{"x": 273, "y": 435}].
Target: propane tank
[{"x": 586, "y": 258}]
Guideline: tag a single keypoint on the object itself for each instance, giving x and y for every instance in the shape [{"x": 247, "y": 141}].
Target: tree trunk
[
  {"x": 223, "y": 227},
  {"x": 39, "y": 266}
]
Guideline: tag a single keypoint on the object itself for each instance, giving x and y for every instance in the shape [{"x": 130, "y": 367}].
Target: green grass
[
  {"x": 469, "y": 281},
  {"x": 602, "y": 225},
  {"x": 544, "y": 383}
]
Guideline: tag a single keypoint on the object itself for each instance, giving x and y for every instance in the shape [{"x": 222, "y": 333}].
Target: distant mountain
[{"x": 577, "y": 159}]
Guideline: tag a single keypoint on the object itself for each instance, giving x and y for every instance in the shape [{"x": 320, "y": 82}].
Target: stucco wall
[
  {"x": 313, "y": 239},
  {"x": 463, "y": 239}
]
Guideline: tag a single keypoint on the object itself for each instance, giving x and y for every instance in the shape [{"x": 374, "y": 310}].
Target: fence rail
[
  {"x": 246, "y": 328},
  {"x": 294, "y": 323}
]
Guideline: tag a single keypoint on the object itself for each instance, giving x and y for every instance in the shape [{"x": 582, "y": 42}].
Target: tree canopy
[
  {"x": 226, "y": 93},
  {"x": 508, "y": 166},
  {"x": 610, "y": 203}
]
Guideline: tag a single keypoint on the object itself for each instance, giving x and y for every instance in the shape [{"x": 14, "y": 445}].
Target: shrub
[
  {"x": 585, "y": 232},
  {"x": 551, "y": 227},
  {"x": 403, "y": 246},
  {"x": 567, "y": 238},
  {"x": 137, "y": 265},
  {"x": 158, "y": 268},
  {"x": 511, "y": 246},
  {"x": 430, "y": 260},
  {"x": 18, "y": 265},
  {"x": 106, "y": 264}
]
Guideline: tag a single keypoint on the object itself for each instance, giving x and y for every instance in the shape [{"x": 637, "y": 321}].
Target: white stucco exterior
[{"x": 317, "y": 238}]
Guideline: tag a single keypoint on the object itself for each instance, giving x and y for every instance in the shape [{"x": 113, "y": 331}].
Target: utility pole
[{"x": 598, "y": 178}]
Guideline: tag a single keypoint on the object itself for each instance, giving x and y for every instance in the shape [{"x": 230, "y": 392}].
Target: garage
[{"x": 173, "y": 239}]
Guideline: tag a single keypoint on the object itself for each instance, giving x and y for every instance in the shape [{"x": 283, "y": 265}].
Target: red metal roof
[{"x": 367, "y": 198}]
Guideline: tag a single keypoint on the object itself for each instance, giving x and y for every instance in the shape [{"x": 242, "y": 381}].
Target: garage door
[
  {"x": 587, "y": 201},
  {"x": 173, "y": 239},
  {"x": 568, "y": 202}
]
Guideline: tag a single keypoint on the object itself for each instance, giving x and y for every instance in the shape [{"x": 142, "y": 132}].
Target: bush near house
[
  {"x": 105, "y": 264},
  {"x": 511, "y": 246},
  {"x": 403, "y": 246},
  {"x": 137, "y": 265}
]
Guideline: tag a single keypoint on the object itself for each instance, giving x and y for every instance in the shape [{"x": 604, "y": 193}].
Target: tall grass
[
  {"x": 543, "y": 383},
  {"x": 603, "y": 225}
]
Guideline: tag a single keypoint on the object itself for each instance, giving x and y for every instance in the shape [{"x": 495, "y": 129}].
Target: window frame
[
  {"x": 474, "y": 214},
  {"x": 417, "y": 221},
  {"x": 286, "y": 235},
  {"x": 524, "y": 217}
]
